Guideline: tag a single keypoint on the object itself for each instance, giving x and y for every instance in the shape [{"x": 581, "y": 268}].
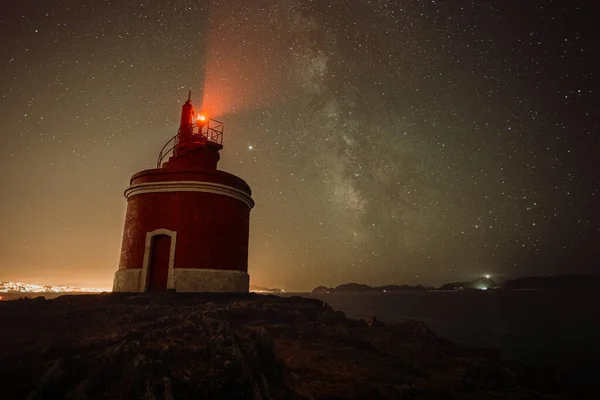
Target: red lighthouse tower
[{"x": 187, "y": 223}]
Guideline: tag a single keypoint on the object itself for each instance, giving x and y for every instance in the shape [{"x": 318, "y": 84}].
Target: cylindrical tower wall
[
  {"x": 212, "y": 229},
  {"x": 205, "y": 215}
]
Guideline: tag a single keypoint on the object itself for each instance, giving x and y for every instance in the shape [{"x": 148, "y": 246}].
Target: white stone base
[
  {"x": 210, "y": 280},
  {"x": 128, "y": 280},
  {"x": 187, "y": 280}
]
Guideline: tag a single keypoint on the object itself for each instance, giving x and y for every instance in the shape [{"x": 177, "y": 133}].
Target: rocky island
[
  {"x": 238, "y": 346},
  {"x": 481, "y": 283}
]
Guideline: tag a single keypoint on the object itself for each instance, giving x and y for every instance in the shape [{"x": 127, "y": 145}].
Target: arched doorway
[{"x": 158, "y": 265}]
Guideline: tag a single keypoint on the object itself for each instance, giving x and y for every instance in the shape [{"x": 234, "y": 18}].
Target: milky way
[{"x": 385, "y": 141}]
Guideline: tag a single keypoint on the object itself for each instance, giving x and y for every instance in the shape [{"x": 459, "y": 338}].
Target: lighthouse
[{"x": 187, "y": 223}]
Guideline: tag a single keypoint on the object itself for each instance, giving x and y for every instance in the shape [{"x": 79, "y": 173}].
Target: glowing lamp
[{"x": 201, "y": 118}]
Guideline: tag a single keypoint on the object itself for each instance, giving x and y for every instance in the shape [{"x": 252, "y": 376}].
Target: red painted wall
[{"x": 212, "y": 229}]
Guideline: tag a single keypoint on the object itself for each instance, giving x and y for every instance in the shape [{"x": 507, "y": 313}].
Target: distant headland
[
  {"x": 482, "y": 283},
  {"x": 261, "y": 289},
  {"x": 361, "y": 288}
]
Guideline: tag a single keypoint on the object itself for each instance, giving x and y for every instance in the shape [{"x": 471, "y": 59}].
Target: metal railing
[{"x": 200, "y": 135}]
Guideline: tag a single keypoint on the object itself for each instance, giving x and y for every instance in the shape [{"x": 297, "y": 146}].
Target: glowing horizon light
[{"x": 20, "y": 287}]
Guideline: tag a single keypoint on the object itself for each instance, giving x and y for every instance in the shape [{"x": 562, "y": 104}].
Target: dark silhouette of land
[
  {"x": 361, "y": 288},
  {"x": 263, "y": 289},
  {"x": 554, "y": 282},
  {"x": 482, "y": 283},
  {"x": 240, "y": 346}
]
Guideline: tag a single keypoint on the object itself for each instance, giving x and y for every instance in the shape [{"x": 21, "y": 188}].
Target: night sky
[{"x": 385, "y": 141}]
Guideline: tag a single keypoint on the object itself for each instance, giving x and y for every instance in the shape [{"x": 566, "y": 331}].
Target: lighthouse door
[{"x": 158, "y": 267}]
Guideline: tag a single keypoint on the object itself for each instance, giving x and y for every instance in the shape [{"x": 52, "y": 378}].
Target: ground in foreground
[{"x": 237, "y": 346}]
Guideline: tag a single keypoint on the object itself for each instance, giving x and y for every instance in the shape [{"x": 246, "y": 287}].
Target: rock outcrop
[{"x": 228, "y": 346}]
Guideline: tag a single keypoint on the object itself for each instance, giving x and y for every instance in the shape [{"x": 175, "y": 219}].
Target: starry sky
[{"x": 386, "y": 141}]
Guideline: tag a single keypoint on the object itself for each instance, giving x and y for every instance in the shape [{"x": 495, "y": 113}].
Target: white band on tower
[{"x": 190, "y": 186}]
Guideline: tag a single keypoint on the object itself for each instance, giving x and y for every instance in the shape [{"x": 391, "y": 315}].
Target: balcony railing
[{"x": 200, "y": 135}]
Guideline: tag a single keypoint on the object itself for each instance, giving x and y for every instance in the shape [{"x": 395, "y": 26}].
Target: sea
[{"x": 540, "y": 328}]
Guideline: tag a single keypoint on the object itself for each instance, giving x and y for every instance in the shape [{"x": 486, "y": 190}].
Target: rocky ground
[{"x": 227, "y": 346}]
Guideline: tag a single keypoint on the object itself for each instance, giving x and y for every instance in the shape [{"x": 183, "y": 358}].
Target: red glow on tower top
[{"x": 197, "y": 133}]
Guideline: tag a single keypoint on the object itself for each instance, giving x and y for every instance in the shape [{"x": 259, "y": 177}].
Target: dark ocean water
[{"x": 557, "y": 328}]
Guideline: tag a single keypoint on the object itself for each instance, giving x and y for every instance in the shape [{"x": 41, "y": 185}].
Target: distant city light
[
  {"x": 487, "y": 276},
  {"x": 266, "y": 291},
  {"x": 7, "y": 287}
]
